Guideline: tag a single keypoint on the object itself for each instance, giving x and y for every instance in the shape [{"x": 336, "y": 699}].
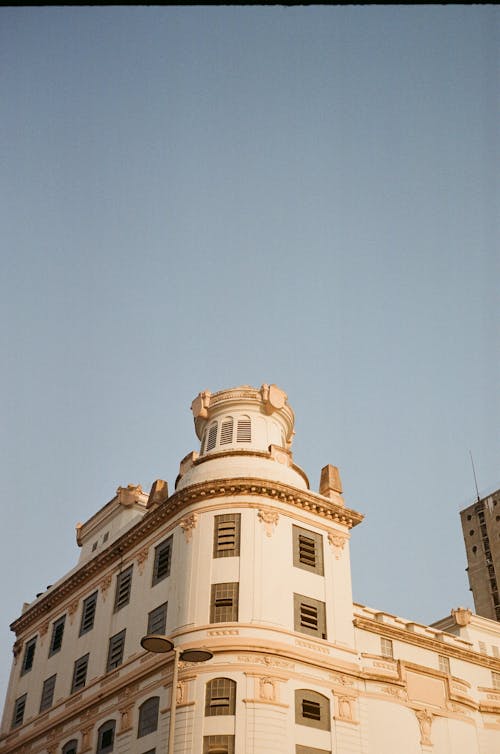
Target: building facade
[
  {"x": 245, "y": 560},
  {"x": 481, "y": 530}
]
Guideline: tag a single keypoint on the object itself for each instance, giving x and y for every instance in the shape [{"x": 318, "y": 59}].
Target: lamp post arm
[{"x": 173, "y": 702}]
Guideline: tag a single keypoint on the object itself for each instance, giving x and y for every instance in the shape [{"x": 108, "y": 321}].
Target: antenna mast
[{"x": 475, "y": 478}]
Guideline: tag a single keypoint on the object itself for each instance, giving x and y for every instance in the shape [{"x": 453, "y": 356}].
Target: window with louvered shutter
[
  {"x": 157, "y": 620},
  {"x": 212, "y": 436},
  {"x": 57, "y": 635},
  {"x": 47, "y": 693},
  {"x": 123, "y": 586},
  {"x": 386, "y": 647},
  {"x": 309, "y": 616},
  {"x": 244, "y": 430},
  {"x": 312, "y": 709},
  {"x": 19, "y": 707},
  {"x": 218, "y": 745},
  {"x": 226, "y": 431},
  {"x": 224, "y": 602},
  {"x": 148, "y": 716},
  {"x": 307, "y": 550},
  {"x": 88, "y": 613},
  {"x": 227, "y": 535},
  {"x": 29, "y": 656},
  {"x": 163, "y": 557},
  {"x": 220, "y": 697},
  {"x": 115, "y": 651},
  {"x": 80, "y": 673}
]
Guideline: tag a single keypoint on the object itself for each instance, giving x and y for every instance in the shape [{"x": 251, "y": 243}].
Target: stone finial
[
  {"x": 78, "y": 532},
  {"x": 330, "y": 481},
  {"x": 273, "y": 398},
  {"x": 462, "y": 616},
  {"x": 158, "y": 493},
  {"x": 129, "y": 495},
  {"x": 200, "y": 405}
]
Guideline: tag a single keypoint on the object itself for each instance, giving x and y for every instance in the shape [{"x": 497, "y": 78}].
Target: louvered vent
[
  {"x": 226, "y": 431},
  {"x": 212, "y": 437},
  {"x": 244, "y": 430}
]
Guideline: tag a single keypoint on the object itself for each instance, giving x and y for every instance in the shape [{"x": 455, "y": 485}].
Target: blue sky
[{"x": 196, "y": 198}]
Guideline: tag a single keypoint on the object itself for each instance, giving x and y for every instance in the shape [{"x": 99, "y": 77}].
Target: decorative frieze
[{"x": 269, "y": 518}]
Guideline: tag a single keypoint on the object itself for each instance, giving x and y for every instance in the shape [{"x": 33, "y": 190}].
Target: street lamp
[{"x": 160, "y": 644}]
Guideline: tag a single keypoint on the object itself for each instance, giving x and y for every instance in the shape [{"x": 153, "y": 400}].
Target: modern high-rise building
[
  {"x": 240, "y": 581},
  {"x": 481, "y": 530}
]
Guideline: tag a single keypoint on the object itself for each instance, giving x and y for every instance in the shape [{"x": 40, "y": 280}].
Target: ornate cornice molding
[
  {"x": 442, "y": 648},
  {"x": 177, "y": 503}
]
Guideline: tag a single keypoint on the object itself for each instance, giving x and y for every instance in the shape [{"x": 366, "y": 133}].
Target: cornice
[
  {"x": 442, "y": 648},
  {"x": 180, "y": 500}
]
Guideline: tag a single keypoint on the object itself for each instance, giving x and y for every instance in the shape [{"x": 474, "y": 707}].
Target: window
[
  {"x": 57, "y": 636},
  {"x": 227, "y": 535},
  {"x": 80, "y": 673},
  {"x": 482, "y": 647},
  {"x": 157, "y": 620},
  {"x": 244, "y": 430},
  {"x": 29, "y": 656},
  {"x": 309, "y": 616},
  {"x": 70, "y": 747},
  {"x": 19, "y": 707},
  {"x": 148, "y": 716},
  {"x": 495, "y": 679},
  {"x": 308, "y": 550},
  {"x": 309, "y": 750},
  {"x": 226, "y": 431},
  {"x": 47, "y": 693},
  {"x": 444, "y": 664},
  {"x": 386, "y": 648},
  {"x": 115, "y": 651},
  {"x": 106, "y": 737},
  {"x": 312, "y": 709},
  {"x": 224, "y": 603},
  {"x": 212, "y": 436},
  {"x": 220, "y": 697},
  {"x": 218, "y": 745},
  {"x": 88, "y": 613},
  {"x": 123, "y": 586},
  {"x": 163, "y": 557}
]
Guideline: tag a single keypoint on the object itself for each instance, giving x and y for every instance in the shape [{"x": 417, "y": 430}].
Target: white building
[{"x": 245, "y": 560}]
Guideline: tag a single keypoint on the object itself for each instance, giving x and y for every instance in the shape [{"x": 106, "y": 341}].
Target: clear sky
[{"x": 197, "y": 198}]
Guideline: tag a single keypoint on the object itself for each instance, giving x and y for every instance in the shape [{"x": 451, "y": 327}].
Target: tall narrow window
[
  {"x": 70, "y": 747},
  {"x": 88, "y": 613},
  {"x": 244, "y": 430},
  {"x": 115, "y": 651},
  {"x": 224, "y": 603},
  {"x": 123, "y": 586},
  {"x": 227, "y": 535},
  {"x": 19, "y": 707},
  {"x": 218, "y": 745},
  {"x": 148, "y": 716},
  {"x": 495, "y": 679},
  {"x": 386, "y": 647},
  {"x": 80, "y": 673},
  {"x": 309, "y": 616},
  {"x": 220, "y": 697},
  {"x": 312, "y": 709},
  {"x": 163, "y": 557},
  {"x": 307, "y": 550},
  {"x": 57, "y": 635},
  {"x": 157, "y": 620},
  {"x": 29, "y": 655},
  {"x": 444, "y": 664},
  {"x": 226, "y": 431},
  {"x": 106, "y": 737},
  {"x": 48, "y": 693},
  {"x": 212, "y": 436}
]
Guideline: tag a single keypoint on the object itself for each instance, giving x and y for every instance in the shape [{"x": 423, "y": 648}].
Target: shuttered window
[
  {"x": 312, "y": 709},
  {"x": 80, "y": 673},
  {"x": 29, "y": 656},
  {"x": 244, "y": 430},
  {"x": 226, "y": 431},
  {"x": 47, "y": 693},
  {"x": 88, "y": 613},
  {"x": 227, "y": 535},
  {"x": 218, "y": 745},
  {"x": 123, "y": 587},
  {"x": 19, "y": 707},
  {"x": 220, "y": 697},
  {"x": 57, "y": 635},
  {"x": 148, "y": 716},
  {"x": 163, "y": 557},
  {"x": 212, "y": 436},
  {"x": 115, "y": 651},
  {"x": 224, "y": 602},
  {"x": 157, "y": 620},
  {"x": 386, "y": 647},
  {"x": 307, "y": 550},
  {"x": 309, "y": 616}
]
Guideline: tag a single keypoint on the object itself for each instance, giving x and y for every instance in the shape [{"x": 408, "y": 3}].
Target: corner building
[{"x": 245, "y": 560}]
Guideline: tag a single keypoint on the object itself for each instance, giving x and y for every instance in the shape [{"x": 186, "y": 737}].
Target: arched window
[
  {"x": 220, "y": 698},
  {"x": 106, "y": 737},
  {"x": 312, "y": 709},
  {"x": 212, "y": 436},
  {"x": 148, "y": 716},
  {"x": 244, "y": 430},
  {"x": 70, "y": 747},
  {"x": 226, "y": 431}
]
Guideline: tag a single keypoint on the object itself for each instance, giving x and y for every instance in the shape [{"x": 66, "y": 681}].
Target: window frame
[
  {"x": 81, "y": 662},
  {"x": 57, "y": 624},
  {"x": 444, "y": 664},
  {"x": 123, "y": 588},
  {"x": 222, "y": 531},
  {"x": 89, "y": 606},
  {"x": 299, "y": 554},
  {"x": 47, "y": 697},
  {"x": 147, "y": 726},
  {"x": 116, "y": 649},
  {"x": 220, "y": 688},
  {"x": 18, "y": 711},
  {"x": 166, "y": 545},
  {"x": 160, "y": 610},
  {"x": 386, "y": 647},
  {"x": 29, "y": 655},
  {"x": 70, "y": 747},
  {"x": 309, "y": 696},
  {"x": 224, "y": 591},
  {"x": 108, "y": 726},
  {"x": 301, "y": 601},
  {"x": 218, "y": 744}
]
